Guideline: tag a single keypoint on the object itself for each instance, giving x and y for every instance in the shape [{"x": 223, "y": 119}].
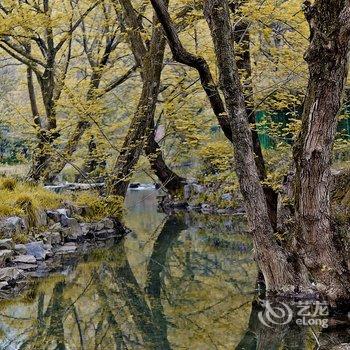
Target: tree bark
[
  {"x": 134, "y": 142},
  {"x": 181, "y": 55},
  {"x": 171, "y": 181},
  {"x": 279, "y": 274},
  {"x": 327, "y": 58}
]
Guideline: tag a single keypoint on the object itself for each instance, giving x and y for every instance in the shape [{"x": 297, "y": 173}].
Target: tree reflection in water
[{"x": 193, "y": 290}]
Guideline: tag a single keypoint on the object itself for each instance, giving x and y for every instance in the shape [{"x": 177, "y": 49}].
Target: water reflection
[{"x": 185, "y": 282}]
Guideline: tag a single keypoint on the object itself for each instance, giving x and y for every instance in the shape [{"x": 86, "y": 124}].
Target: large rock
[
  {"x": 25, "y": 259},
  {"x": 20, "y": 249},
  {"x": 10, "y": 226},
  {"x": 10, "y": 273},
  {"x": 53, "y": 238},
  {"x": 53, "y": 216},
  {"x": 5, "y": 256},
  {"x": 6, "y": 244},
  {"x": 72, "y": 230},
  {"x": 38, "y": 250},
  {"x": 68, "y": 248},
  {"x": 42, "y": 219}
]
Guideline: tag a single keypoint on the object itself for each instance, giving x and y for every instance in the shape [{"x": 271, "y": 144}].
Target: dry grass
[{"x": 20, "y": 198}]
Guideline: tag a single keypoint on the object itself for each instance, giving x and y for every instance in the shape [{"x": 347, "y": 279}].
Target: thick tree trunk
[
  {"x": 327, "y": 58},
  {"x": 181, "y": 55},
  {"x": 169, "y": 179},
  {"x": 134, "y": 142},
  {"x": 279, "y": 274}
]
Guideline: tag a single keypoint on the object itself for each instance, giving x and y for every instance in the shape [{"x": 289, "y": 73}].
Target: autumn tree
[{"x": 289, "y": 270}]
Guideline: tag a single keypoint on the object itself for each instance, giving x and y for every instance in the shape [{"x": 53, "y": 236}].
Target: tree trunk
[
  {"x": 327, "y": 58},
  {"x": 172, "y": 182},
  {"x": 181, "y": 55},
  {"x": 279, "y": 274},
  {"x": 141, "y": 122}
]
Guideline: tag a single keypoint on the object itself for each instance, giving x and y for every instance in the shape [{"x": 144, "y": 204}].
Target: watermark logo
[{"x": 301, "y": 313}]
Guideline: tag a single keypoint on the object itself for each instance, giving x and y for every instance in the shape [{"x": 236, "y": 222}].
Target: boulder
[
  {"x": 25, "y": 259},
  {"x": 20, "y": 249},
  {"x": 6, "y": 244},
  {"x": 10, "y": 273},
  {"x": 68, "y": 248},
  {"x": 12, "y": 225},
  {"x": 108, "y": 224},
  {"x": 3, "y": 285},
  {"x": 53, "y": 216},
  {"x": 53, "y": 238},
  {"x": 27, "y": 267},
  {"x": 72, "y": 230},
  {"x": 37, "y": 249},
  {"x": 42, "y": 219},
  {"x": 5, "y": 255}
]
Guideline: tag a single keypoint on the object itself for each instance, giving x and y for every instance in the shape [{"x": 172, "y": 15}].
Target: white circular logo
[{"x": 277, "y": 314}]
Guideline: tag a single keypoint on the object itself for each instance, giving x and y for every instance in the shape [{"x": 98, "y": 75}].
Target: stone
[
  {"x": 206, "y": 207},
  {"x": 53, "y": 238},
  {"x": 6, "y": 244},
  {"x": 11, "y": 225},
  {"x": 227, "y": 197},
  {"x": 73, "y": 230},
  {"x": 27, "y": 267},
  {"x": 25, "y": 259},
  {"x": 5, "y": 255},
  {"x": 68, "y": 248},
  {"x": 3, "y": 285},
  {"x": 54, "y": 216},
  {"x": 37, "y": 250},
  {"x": 108, "y": 223},
  {"x": 63, "y": 211},
  {"x": 85, "y": 228},
  {"x": 10, "y": 273},
  {"x": 103, "y": 234},
  {"x": 20, "y": 249},
  {"x": 42, "y": 219}
]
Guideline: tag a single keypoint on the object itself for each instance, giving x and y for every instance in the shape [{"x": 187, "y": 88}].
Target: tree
[
  {"x": 150, "y": 56},
  {"x": 49, "y": 63},
  {"x": 288, "y": 270}
]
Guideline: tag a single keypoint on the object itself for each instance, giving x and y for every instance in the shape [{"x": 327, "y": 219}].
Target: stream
[{"x": 185, "y": 281}]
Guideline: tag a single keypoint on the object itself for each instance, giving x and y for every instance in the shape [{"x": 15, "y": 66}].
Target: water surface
[{"x": 186, "y": 281}]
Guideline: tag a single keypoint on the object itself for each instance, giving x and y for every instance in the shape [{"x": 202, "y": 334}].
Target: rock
[
  {"x": 3, "y": 285},
  {"x": 108, "y": 223},
  {"x": 53, "y": 238},
  {"x": 27, "y": 267},
  {"x": 57, "y": 227},
  {"x": 6, "y": 244},
  {"x": 5, "y": 255},
  {"x": 85, "y": 228},
  {"x": 227, "y": 197},
  {"x": 54, "y": 216},
  {"x": 25, "y": 259},
  {"x": 72, "y": 231},
  {"x": 10, "y": 273},
  {"x": 99, "y": 226},
  {"x": 37, "y": 250},
  {"x": 68, "y": 248},
  {"x": 20, "y": 249},
  {"x": 42, "y": 219},
  {"x": 207, "y": 208},
  {"x": 63, "y": 212},
  {"x": 221, "y": 211},
  {"x": 103, "y": 234},
  {"x": 12, "y": 225}
]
